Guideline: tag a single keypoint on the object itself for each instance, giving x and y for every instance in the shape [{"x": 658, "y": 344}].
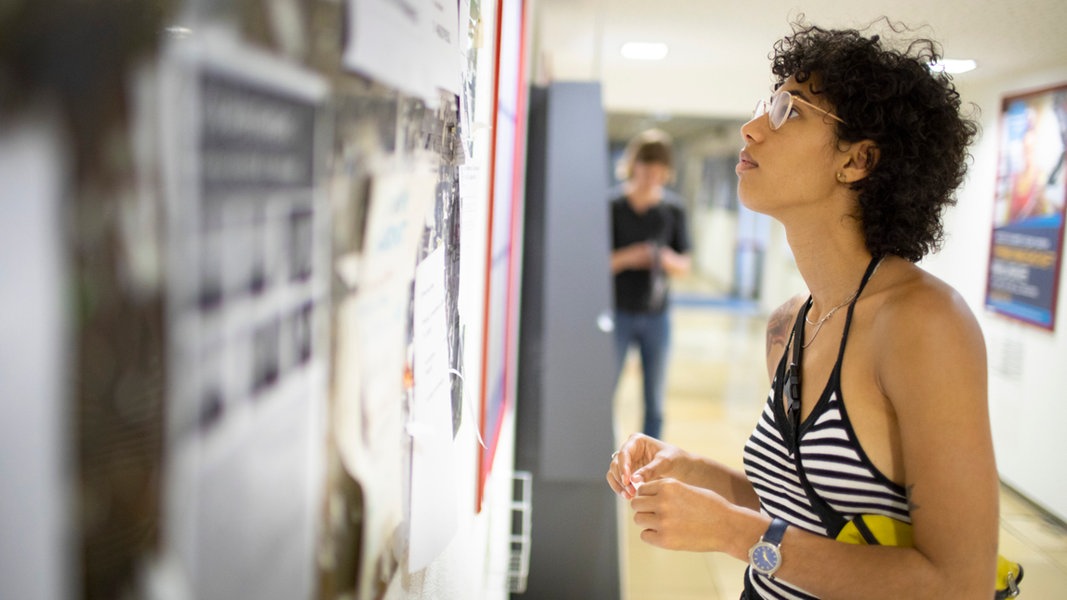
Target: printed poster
[{"x": 1026, "y": 250}]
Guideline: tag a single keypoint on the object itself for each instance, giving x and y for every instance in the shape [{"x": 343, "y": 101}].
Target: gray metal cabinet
[{"x": 566, "y": 379}]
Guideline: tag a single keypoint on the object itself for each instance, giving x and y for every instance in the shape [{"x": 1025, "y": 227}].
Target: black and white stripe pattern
[{"x": 835, "y": 465}]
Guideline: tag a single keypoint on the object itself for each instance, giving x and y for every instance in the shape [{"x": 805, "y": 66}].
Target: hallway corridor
[{"x": 717, "y": 385}]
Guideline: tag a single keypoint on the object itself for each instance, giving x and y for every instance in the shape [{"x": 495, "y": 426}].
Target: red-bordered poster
[
  {"x": 506, "y": 186},
  {"x": 1028, "y": 221}
]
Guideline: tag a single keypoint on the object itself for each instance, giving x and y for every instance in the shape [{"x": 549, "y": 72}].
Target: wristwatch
[{"x": 766, "y": 556}]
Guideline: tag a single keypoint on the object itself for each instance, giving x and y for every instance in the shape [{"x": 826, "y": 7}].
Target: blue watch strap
[{"x": 775, "y": 531}]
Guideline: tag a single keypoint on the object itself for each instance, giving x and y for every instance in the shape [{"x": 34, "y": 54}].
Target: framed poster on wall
[
  {"x": 506, "y": 185},
  {"x": 1028, "y": 221}
]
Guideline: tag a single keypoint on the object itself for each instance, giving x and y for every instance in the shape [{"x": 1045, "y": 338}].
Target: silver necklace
[{"x": 818, "y": 324}]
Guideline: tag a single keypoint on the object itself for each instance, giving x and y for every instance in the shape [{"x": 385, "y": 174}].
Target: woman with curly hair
[{"x": 878, "y": 402}]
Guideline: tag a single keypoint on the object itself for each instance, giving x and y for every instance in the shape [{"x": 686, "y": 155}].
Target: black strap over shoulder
[{"x": 831, "y": 519}]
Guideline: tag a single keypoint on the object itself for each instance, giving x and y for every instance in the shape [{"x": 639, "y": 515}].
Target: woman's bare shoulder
[
  {"x": 919, "y": 303},
  {"x": 925, "y": 329}
]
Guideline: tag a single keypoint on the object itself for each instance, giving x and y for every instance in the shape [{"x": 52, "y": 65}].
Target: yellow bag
[{"x": 886, "y": 531}]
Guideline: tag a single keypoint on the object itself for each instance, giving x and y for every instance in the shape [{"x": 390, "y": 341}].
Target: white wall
[{"x": 1026, "y": 364}]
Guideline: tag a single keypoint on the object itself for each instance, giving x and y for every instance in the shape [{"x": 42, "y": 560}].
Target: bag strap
[
  {"x": 787, "y": 387},
  {"x": 831, "y": 519}
]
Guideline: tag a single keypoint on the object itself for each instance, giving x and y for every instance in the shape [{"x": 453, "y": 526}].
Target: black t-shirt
[{"x": 664, "y": 224}]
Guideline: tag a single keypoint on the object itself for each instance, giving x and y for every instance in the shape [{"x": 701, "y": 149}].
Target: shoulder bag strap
[{"x": 831, "y": 519}]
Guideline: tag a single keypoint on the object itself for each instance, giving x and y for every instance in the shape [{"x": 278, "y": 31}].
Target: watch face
[{"x": 765, "y": 558}]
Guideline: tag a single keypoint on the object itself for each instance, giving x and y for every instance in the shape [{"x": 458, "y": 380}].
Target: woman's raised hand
[{"x": 641, "y": 459}]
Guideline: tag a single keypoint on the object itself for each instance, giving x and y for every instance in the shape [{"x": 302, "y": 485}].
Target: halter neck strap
[{"x": 796, "y": 340}]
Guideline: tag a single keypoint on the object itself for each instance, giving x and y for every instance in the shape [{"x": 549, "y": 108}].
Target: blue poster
[{"x": 1026, "y": 251}]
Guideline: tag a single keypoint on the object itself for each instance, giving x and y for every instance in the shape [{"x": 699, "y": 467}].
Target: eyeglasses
[{"x": 780, "y": 107}]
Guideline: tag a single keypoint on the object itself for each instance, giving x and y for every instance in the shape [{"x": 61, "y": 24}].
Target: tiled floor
[{"x": 716, "y": 387}]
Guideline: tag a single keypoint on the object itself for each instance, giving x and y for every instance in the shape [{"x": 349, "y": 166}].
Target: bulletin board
[{"x": 294, "y": 243}]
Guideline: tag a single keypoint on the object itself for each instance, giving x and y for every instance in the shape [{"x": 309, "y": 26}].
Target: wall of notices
[{"x": 250, "y": 241}]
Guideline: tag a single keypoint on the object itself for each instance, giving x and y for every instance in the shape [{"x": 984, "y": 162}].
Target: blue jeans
[{"x": 652, "y": 334}]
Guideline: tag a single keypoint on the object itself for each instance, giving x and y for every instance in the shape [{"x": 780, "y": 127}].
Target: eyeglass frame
[{"x": 763, "y": 107}]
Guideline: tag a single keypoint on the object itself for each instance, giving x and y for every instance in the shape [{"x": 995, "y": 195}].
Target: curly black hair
[{"x": 912, "y": 113}]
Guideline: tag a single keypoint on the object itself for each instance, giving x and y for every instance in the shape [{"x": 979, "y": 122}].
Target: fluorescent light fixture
[
  {"x": 953, "y": 66},
  {"x": 644, "y": 50},
  {"x": 179, "y": 32}
]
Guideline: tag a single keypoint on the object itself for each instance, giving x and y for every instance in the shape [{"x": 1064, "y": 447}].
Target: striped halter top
[{"x": 836, "y": 466}]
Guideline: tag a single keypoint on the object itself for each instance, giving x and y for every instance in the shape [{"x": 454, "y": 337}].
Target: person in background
[
  {"x": 878, "y": 400},
  {"x": 650, "y": 244}
]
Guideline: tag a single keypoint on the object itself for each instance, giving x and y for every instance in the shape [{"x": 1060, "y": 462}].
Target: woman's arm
[
  {"x": 931, "y": 365},
  {"x": 933, "y": 370}
]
